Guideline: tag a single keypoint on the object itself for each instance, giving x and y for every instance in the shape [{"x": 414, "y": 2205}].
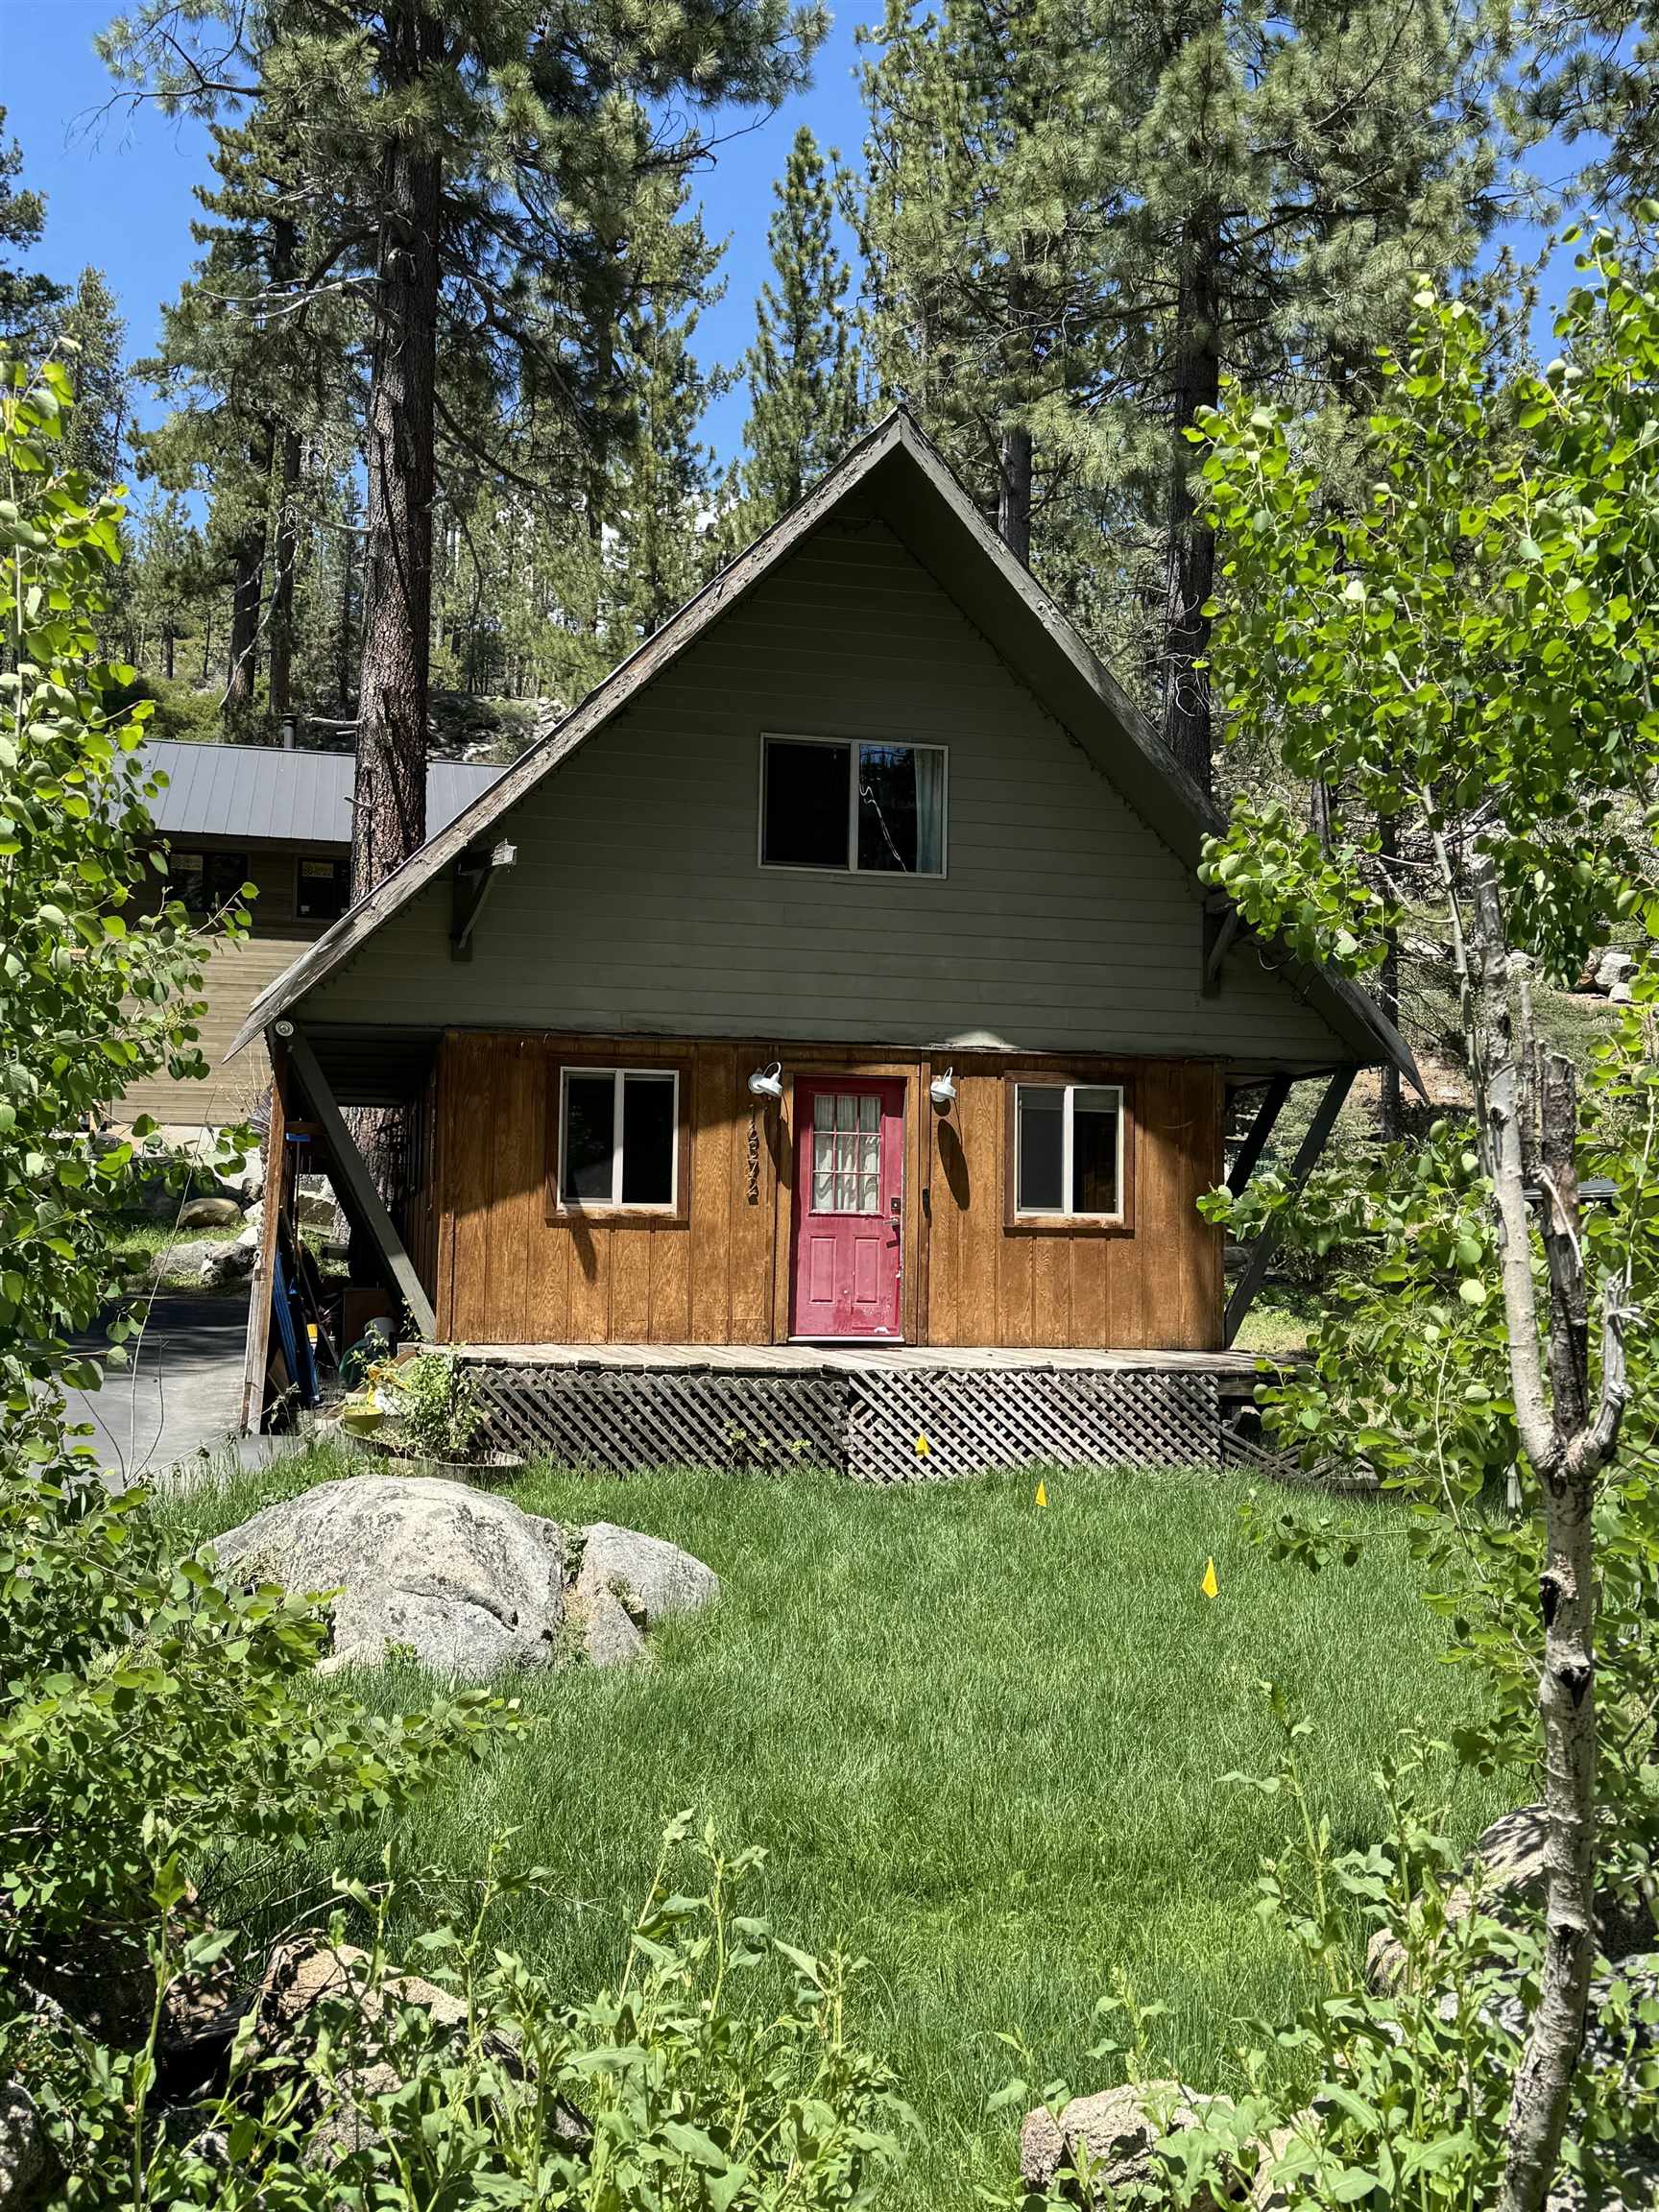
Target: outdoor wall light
[
  {"x": 283, "y": 1028},
  {"x": 768, "y": 1082},
  {"x": 943, "y": 1090}
]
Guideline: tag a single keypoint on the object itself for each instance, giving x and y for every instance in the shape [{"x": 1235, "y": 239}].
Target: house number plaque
[{"x": 754, "y": 1159}]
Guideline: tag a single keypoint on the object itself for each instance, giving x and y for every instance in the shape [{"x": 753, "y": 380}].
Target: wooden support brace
[
  {"x": 1259, "y": 1131},
  {"x": 476, "y": 874},
  {"x": 355, "y": 1186},
  {"x": 1220, "y": 928},
  {"x": 1262, "y": 1251}
]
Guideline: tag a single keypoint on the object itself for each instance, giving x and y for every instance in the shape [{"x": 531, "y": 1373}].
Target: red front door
[{"x": 849, "y": 1206}]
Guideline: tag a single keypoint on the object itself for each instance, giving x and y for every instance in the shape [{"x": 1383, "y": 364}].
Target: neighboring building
[
  {"x": 235, "y": 814},
  {"x": 837, "y": 970}
]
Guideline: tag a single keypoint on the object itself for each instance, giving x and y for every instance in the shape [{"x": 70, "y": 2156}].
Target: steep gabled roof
[{"x": 931, "y": 514}]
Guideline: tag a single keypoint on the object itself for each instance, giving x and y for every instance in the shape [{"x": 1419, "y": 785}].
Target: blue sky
[{"x": 119, "y": 182}]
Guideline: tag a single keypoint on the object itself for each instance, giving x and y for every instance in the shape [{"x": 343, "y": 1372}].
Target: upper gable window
[{"x": 865, "y": 809}]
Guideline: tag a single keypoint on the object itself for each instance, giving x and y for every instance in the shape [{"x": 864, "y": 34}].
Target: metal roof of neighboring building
[{"x": 259, "y": 792}]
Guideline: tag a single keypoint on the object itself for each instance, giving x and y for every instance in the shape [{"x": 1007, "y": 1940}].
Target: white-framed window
[
  {"x": 619, "y": 1138},
  {"x": 1069, "y": 1150},
  {"x": 854, "y": 806}
]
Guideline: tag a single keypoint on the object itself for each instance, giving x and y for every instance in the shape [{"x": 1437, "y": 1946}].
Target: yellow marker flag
[
  {"x": 1209, "y": 1586},
  {"x": 923, "y": 1449},
  {"x": 1041, "y": 1494}
]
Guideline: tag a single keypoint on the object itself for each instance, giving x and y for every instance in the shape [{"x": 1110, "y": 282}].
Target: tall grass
[{"x": 984, "y": 1743}]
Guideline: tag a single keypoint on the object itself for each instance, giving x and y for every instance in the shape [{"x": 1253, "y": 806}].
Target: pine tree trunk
[
  {"x": 343, "y": 637},
  {"x": 389, "y": 815},
  {"x": 389, "y": 810},
  {"x": 247, "y": 579},
  {"x": 282, "y": 584},
  {"x": 167, "y": 652},
  {"x": 1191, "y": 571},
  {"x": 1014, "y": 493}
]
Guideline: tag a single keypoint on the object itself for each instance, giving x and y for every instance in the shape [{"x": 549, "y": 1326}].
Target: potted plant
[{"x": 432, "y": 1413}]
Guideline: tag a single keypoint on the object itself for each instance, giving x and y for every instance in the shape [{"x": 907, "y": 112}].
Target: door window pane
[
  {"x": 1094, "y": 1119},
  {"x": 648, "y": 1138},
  {"x": 805, "y": 804},
  {"x": 846, "y": 1152},
  {"x": 1040, "y": 1111},
  {"x": 589, "y": 1137}
]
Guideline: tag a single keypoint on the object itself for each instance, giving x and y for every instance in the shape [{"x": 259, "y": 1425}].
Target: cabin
[
  {"x": 830, "y": 997},
  {"x": 280, "y": 820}
]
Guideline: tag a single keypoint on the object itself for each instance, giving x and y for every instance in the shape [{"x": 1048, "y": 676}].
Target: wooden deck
[
  {"x": 861, "y": 1359},
  {"x": 880, "y": 1412}
]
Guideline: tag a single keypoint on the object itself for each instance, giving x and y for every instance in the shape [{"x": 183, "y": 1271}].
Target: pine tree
[
  {"x": 659, "y": 499},
  {"x": 1589, "y": 77},
  {"x": 170, "y": 581},
  {"x": 990, "y": 185},
  {"x": 1079, "y": 220},
  {"x": 253, "y": 371},
  {"x": 96, "y": 336},
  {"x": 485, "y": 160},
  {"x": 805, "y": 372},
  {"x": 28, "y": 300}
]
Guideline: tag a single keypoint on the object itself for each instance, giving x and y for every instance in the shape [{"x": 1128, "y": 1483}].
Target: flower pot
[{"x": 489, "y": 1467}]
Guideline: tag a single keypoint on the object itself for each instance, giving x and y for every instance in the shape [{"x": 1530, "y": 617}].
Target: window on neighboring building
[
  {"x": 868, "y": 808},
  {"x": 619, "y": 1138},
  {"x": 1069, "y": 1149},
  {"x": 324, "y": 889},
  {"x": 205, "y": 881}
]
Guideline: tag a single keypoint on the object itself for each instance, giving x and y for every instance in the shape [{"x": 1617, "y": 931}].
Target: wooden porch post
[
  {"x": 259, "y": 1338},
  {"x": 1262, "y": 1251},
  {"x": 356, "y": 1187}
]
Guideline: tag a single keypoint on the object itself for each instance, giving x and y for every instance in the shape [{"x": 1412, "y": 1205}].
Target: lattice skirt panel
[
  {"x": 927, "y": 1424},
  {"x": 879, "y": 1426},
  {"x": 622, "y": 1421}
]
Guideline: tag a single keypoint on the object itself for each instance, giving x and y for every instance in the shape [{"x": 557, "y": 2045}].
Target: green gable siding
[{"x": 638, "y": 905}]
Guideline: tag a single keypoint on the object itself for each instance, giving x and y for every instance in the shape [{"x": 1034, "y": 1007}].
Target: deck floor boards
[{"x": 857, "y": 1359}]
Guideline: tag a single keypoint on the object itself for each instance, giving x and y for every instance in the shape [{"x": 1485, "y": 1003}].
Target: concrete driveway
[{"x": 182, "y": 1397}]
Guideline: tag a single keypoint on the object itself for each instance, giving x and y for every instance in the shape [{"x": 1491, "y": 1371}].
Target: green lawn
[{"x": 983, "y": 1742}]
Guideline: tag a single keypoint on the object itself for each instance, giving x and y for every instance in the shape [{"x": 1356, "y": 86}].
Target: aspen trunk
[
  {"x": 1390, "y": 1100},
  {"x": 1191, "y": 559},
  {"x": 1526, "y": 1121},
  {"x": 389, "y": 814},
  {"x": 1566, "y": 1685}
]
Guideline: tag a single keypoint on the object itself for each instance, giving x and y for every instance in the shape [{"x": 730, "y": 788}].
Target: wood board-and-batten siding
[
  {"x": 507, "y": 1274},
  {"x": 234, "y": 977},
  {"x": 638, "y": 907}
]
